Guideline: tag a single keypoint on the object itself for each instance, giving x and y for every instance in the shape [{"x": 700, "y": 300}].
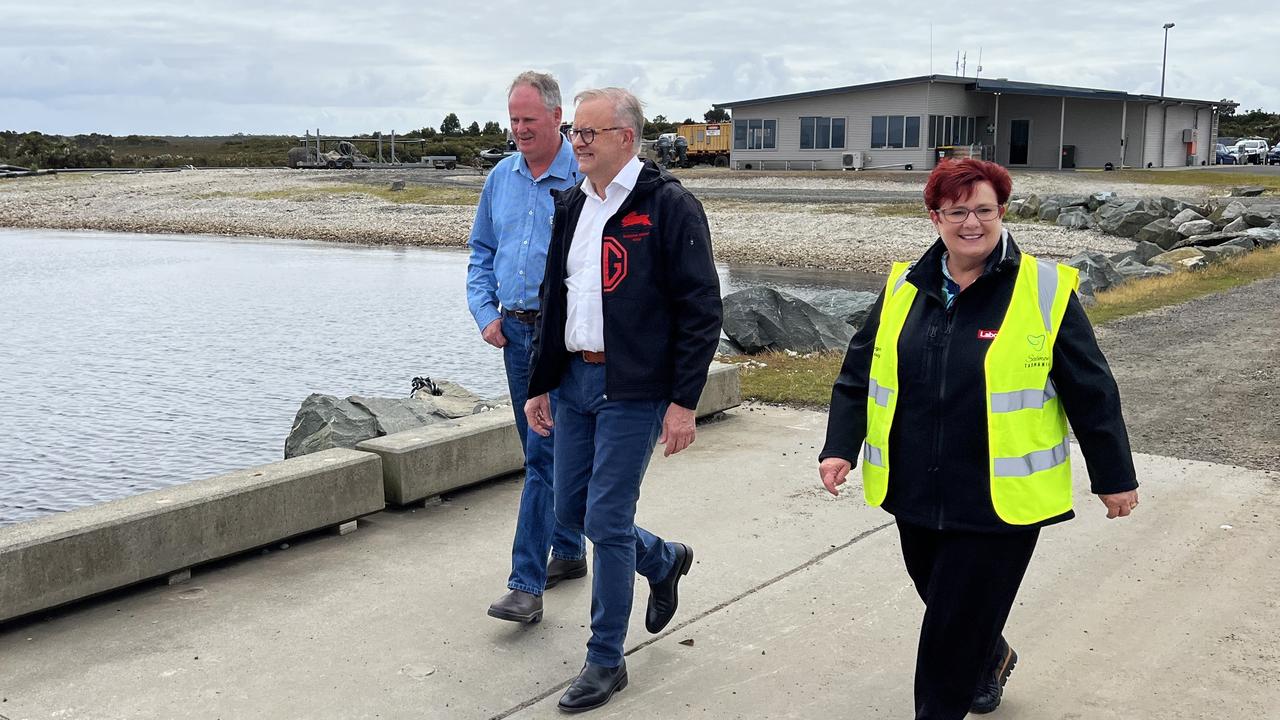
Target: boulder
[
  {"x": 1030, "y": 207},
  {"x": 397, "y": 185},
  {"x": 1125, "y": 219},
  {"x": 1160, "y": 231},
  {"x": 761, "y": 318},
  {"x": 1244, "y": 242},
  {"x": 1076, "y": 218},
  {"x": 728, "y": 347},
  {"x": 1186, "y": 216},
  {"x": 1247, "y": 191},
  {"x": 1196, "y": 227},
  {"x": 1145, "y": 251},
  {"x": 1265, "y": 237},
  {"x": 1259, "y": 217},
  {"x": 325, "y": 421},
  {"x": 1049, "y": 210},
  {"x": 848, "y": 305},
  {"x": 1187, "y": 258},
  {"x": 1232, "y": 211},
  {"x": 1131, "y": 269},
  {"x": 1207, "y": 240},
  {"x": 1014, "y": 208},
  {"x": 1098, "y": 199},
  {"x": 1172, "y": 206},
  {"x": 1097, "y": 272},
  {"x": 1237, "y": 225},
  {"x": 1222, "y": 252}
]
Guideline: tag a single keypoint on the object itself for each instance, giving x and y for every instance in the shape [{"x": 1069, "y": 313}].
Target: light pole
[{"x": 1165, "y": 59}]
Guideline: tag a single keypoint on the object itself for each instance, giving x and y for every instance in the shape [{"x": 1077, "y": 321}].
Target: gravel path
[{"x": 799, "y": 220}]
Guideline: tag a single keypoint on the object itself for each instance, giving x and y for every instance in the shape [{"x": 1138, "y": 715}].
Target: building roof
[{"x": 985, "y": 85}]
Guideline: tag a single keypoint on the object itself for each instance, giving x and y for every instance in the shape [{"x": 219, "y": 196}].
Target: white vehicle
[{"x": 1251, "y": 150}]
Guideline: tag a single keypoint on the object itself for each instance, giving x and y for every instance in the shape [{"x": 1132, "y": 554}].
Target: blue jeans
[
  {"x": 602, "y": 449},
  {"x": 536, "y": 528}
]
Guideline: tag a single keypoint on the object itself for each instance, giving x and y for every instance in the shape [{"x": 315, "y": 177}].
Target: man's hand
[
  {"x": 678, "y": 429},
  {"x": 833, "y": 472},
  {"x": 538, "y": 412},
  {"x": 1120, "y": 504},
  {"x": 492, "y": 334}
]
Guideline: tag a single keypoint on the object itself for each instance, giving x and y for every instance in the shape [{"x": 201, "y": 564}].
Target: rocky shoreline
[{"x": 279, "y": 203}]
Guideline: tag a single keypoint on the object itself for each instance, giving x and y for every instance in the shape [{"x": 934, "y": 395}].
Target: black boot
[
  {"x": 593, "y": 687},
  {"x": 664, "y": 595},
  {"x": 517, "y": 606},
  {"x": 987, "y": 697},
  {"x": 558, "y": 570}
]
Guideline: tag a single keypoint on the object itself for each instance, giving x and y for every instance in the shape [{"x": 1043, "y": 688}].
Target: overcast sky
[{"x": 206, "y": 68}]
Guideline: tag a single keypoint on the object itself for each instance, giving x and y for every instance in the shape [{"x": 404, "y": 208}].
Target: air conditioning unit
[{"x": 855, "y": 160}]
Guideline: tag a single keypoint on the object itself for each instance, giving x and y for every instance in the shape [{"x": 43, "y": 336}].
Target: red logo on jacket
[
  {"x": 987, "y": 334},
  {"x": 634, "y": 218},
  {"x": 613, "y": 263}
]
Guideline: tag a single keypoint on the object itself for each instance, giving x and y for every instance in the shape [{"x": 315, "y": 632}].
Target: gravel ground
[{"x": 746, "y": 227}]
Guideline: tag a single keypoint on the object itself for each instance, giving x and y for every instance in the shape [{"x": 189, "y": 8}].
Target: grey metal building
[{"x": 1018, "y": 124}]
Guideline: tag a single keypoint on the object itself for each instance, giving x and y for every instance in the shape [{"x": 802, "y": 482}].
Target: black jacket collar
[{"x": 926, "y": 273}]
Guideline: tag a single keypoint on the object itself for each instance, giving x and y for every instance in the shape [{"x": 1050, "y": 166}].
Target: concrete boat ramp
[{"x": 797, "y": 607}]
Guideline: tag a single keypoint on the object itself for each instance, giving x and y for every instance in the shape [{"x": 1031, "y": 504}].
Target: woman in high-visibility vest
[{"x": 956, "y": 394}]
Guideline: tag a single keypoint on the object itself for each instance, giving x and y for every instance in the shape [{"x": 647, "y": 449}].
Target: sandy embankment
[{"x": 752, "y": 229}]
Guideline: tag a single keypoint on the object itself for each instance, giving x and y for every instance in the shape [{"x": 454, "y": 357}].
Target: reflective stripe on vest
[{"x": 1028, "y": 449}]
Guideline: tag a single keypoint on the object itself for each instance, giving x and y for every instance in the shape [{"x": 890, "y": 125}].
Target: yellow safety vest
[{"x": 1028, "y": 448}]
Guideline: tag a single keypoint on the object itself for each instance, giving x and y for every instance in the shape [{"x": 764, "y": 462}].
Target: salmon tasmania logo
[
  {"x": 1038, "y": 357},
  {"x": 1036, "y": 342}
]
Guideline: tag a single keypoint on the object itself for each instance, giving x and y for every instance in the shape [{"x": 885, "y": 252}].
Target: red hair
[{"x": 954, "y": 180}]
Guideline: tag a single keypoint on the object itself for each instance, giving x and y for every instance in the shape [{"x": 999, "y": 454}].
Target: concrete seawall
[{"x": 62, "y": 558}]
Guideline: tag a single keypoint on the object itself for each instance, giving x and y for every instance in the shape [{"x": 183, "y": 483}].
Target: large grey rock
[
  {"x": 1014, "y": 209},
  {"x": 1145, "y": 251},
  {"x": 325, "y": 421},
  {"x": 1131, "y": 269},
  {"x": 1126, "y": 218},
  {"x": 1244, "y": 242},
  {"x": 1098, "y": 199},
  {"x": 1187, "y": 258},
  {"x": 1247, "y": 191},
  {"x": 1196, "y": 227},
  {"x": 1097, "y": 272},
  {"x": 1259, "y": 217},
  {"x": 1186, "y": 216},
  {"x": 1172, "y": 206},
  {"x": 728, "y": 347},
  {"x": 1030, "y": 207},
  {"x": 1265, "y": 237},
  {"x": 1222, "y": 252},
  {"x": 1207, "y": 240},
  {"x": 1233, "y": 211},
  {"x": 1049, "y": 210},
  {"x": 1160, "y": 231},
  {"x": 761, "y": 318},
  {"x": 1237, "y": 225},
  {"x": 451, "y": 400},
  {"x": 848, "y": 305},
  {"x": 1076, "y": 218}
]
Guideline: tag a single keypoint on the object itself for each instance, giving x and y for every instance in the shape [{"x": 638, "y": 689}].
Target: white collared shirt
[{"x": 584, "y": 327}]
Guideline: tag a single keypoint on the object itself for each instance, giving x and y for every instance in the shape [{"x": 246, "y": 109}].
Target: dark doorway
[{"x": 1019, "y": 141}]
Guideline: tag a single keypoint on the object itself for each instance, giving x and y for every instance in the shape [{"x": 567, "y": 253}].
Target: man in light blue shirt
[{"x": 508, "y": 256}]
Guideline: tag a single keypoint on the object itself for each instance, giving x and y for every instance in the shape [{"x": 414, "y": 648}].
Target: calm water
[{"x": 133, "y": 362}]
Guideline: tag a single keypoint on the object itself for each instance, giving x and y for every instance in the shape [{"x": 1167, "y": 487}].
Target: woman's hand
[
  {"x": 833, "y": 472},
  {"x": 1120, "y": 504}
]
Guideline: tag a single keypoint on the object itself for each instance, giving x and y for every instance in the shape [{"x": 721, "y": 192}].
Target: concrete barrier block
[
  {"x": 444, "y": 456},
  {"x": 419, "y": 463},
  {"x": 73, "y": 555}
]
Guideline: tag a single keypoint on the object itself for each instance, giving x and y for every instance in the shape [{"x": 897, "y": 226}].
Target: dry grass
[
  {"x": 1148, "y": 294},
  {"x": 801, "y": 380},
  {"x": 1207, "y": 178}
]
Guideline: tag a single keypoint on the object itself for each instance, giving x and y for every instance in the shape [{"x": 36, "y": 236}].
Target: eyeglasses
[
  {"x": 957, "y": 215},
  {"x": 588, "y": 135}
]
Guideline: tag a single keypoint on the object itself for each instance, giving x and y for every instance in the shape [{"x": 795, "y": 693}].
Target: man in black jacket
[{"x": 629, "y": 274}]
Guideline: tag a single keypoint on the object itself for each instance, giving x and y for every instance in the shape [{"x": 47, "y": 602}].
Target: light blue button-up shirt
[{"x": 511, "y": 232}]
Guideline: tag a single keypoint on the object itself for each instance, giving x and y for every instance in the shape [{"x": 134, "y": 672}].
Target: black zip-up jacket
[
  {"x": 938, "y": 473},
  {"x": 660, "y": 294}
]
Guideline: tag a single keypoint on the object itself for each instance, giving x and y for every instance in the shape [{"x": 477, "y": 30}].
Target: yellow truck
[{"x": 708, "y": 142}]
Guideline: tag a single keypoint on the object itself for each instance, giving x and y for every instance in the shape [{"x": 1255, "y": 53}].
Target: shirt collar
[{"x": 624, "y": 180}]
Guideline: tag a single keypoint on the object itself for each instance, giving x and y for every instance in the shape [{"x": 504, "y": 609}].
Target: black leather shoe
[
  {"x": 558, "y": 570},
  {"x": 593, "y": 687},
  {"x": 517, "y": 606},
  {"x": 663, "y": 596},
  {"x": 987, "y": 696}
]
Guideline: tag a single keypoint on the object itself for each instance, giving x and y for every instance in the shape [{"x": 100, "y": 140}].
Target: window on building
[
  {"x": 895, "y": 131},
  {"x": 755, "y": 135},
  {"x": 821, "y": 133},
  {"x": 951, "y": 130}
]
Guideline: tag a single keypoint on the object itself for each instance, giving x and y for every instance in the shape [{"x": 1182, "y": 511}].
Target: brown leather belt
[
  {"x": 593, "y": 357},
  {"x": 527, "y": 317}
]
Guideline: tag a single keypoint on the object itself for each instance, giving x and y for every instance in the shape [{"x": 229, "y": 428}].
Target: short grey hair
[
  {"x": 628, "y": 111},
  {"x": 547, "y": 87}
]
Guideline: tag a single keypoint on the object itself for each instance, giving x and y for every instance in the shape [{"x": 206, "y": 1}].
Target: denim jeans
[
  {"x": 602, "y": 449},
  {"x": 536, "y": 528}
]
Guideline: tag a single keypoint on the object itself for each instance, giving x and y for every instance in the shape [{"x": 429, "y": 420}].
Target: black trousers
[{"x": 968, "y": 581}]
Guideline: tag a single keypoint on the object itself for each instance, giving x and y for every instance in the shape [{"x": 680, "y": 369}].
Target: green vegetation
[
  {"x": 1254, "y": 123},
  {"x": 805, "y": 380}
]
